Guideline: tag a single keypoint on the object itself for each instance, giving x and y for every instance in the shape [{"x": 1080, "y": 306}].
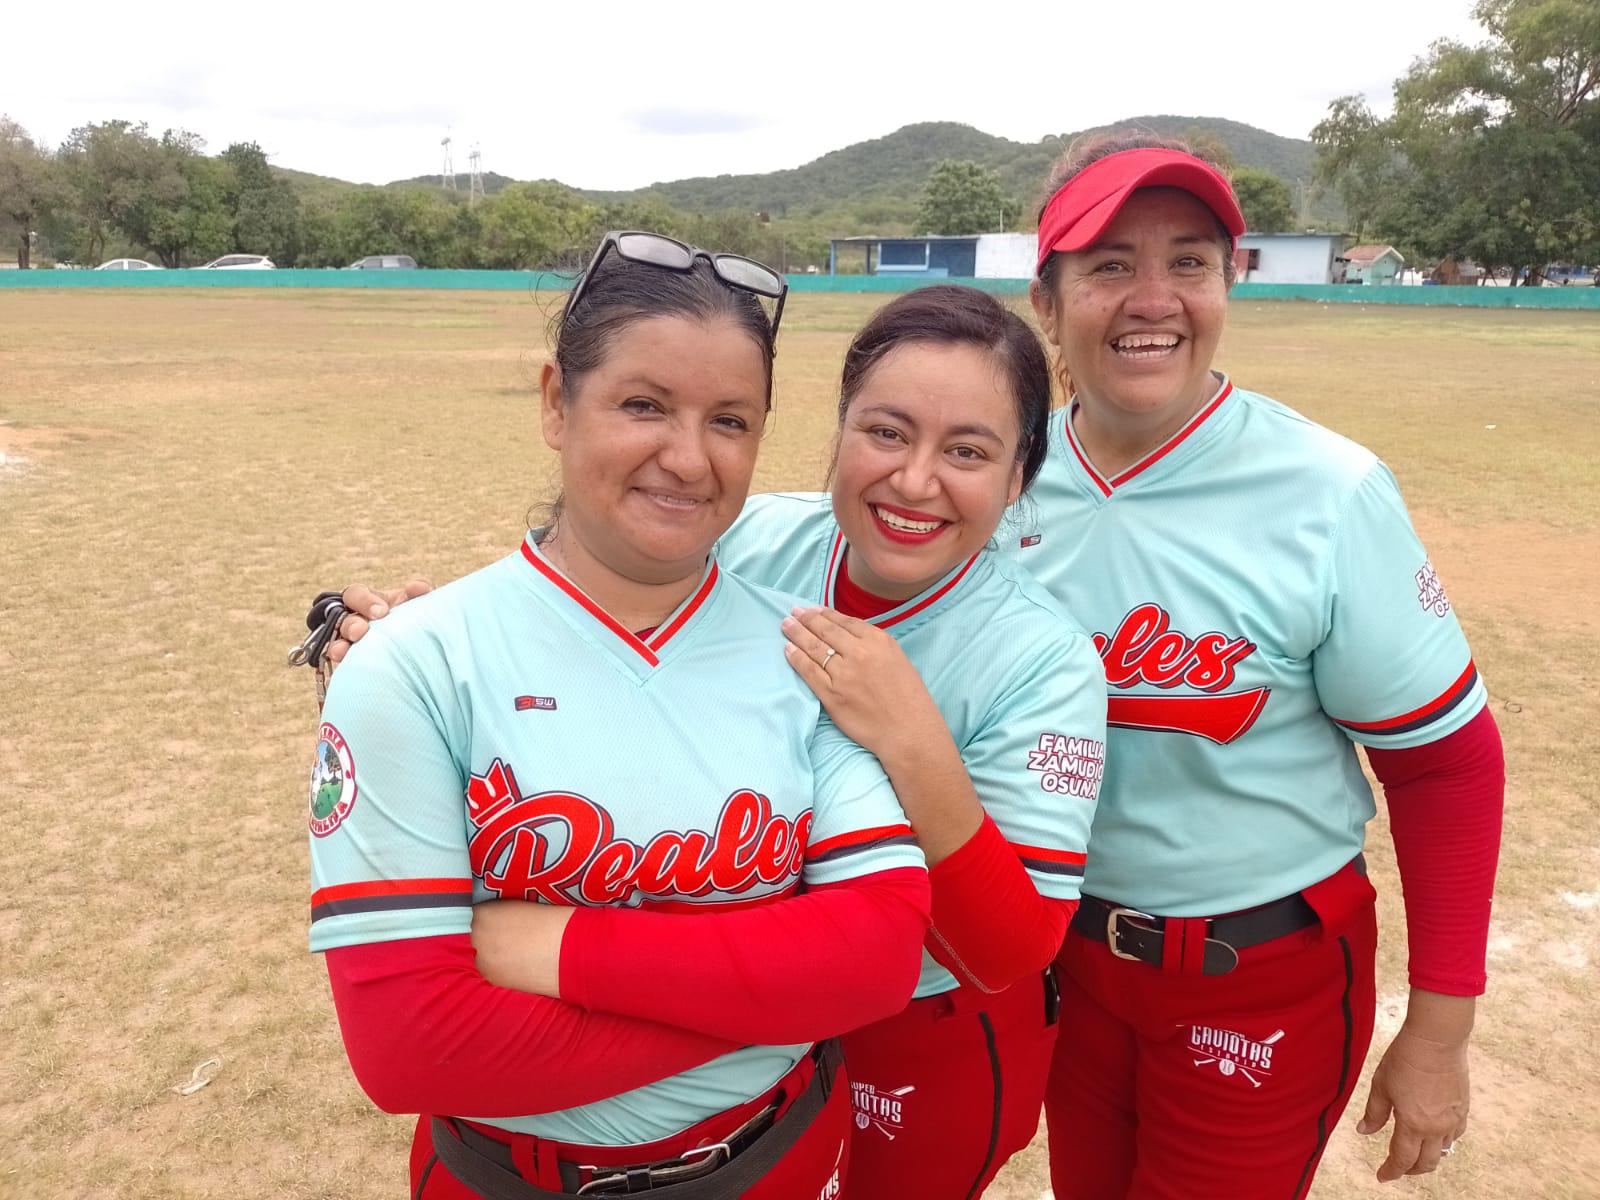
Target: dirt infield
[{"x": 179, "y": 472}]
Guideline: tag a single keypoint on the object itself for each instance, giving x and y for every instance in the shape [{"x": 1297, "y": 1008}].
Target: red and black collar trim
[
  {"x": 647, "y": 650},
  {"x": 902, "y": 612},
  {"x": 1167, "y": 447}
]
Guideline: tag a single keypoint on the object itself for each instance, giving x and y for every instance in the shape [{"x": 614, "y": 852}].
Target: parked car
[
  {"x": 239, "y": 262},
  {"x": 128, "y": 264},
  {"x": 384, "y": 262}
]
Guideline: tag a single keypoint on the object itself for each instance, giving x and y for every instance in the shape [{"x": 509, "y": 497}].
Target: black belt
[
  {"x": 1130, "y": 933},
  {"x": 723, "y": 1171}
]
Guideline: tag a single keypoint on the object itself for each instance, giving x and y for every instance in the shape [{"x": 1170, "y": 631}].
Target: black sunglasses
[{"x": 658, "y": 250}]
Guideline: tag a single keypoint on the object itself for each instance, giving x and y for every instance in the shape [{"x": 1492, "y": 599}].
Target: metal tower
[
  {"x": 447, "y": 176},
  {"x": 475, "y": 182}
]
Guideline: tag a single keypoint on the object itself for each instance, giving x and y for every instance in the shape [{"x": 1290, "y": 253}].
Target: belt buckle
[
  {"x": 686, "y": 1168},
  {"x": 1111, "y": 930}
]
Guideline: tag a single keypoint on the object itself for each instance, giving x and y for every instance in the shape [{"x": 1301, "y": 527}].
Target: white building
[{"x": 1287, "y": 257}]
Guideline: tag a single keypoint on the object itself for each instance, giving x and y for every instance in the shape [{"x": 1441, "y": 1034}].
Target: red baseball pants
[
  {"x": 1171, "y": 1086},
  {"x": 946, "y": 1091}
]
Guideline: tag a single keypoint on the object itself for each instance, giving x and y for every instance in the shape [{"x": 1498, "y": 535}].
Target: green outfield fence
[{"x": 1462, "y": 297}]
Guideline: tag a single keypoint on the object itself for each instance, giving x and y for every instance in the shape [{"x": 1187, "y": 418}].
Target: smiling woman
[
  {"x": 441, "y": 783},
  {"x": 1263, "y": 606}
]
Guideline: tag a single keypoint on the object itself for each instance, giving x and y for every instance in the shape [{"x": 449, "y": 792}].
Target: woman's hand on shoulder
[
  {"x": 864, "y": 680},
  {"x": 366, "y": 605}
]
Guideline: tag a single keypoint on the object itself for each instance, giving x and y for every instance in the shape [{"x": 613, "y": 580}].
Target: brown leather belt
[
  {"x": 720, "y": 1172},
  {"x": 1132, "y": 934}
]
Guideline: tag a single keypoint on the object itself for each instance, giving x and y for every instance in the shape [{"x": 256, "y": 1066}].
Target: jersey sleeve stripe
[
  {"x": 389, "y": 887},
  {"x": 389, "y": 903},
  {"x": 1050, "y": 862},
  {"x": 858, "y": 840},
  {"x": 1425, "y": 715}
]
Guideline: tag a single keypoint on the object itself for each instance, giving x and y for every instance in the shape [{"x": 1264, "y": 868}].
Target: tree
[
  {"x": 1493, "y": 151},
  {"x": 265, "y": 209},
  {"x": 1265, "y": 200},
  {"x": 962, "y": 197},
  {"x": 530, "y": 225},
  {"x": 111, "y": 168},
  {"x": 30, "y": 186}
]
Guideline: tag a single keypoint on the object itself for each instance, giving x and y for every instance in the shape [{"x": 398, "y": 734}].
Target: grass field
[{"x": 181, "y": 471}]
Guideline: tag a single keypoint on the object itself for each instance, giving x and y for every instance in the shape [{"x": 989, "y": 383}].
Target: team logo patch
[
  {"x": 1430, "y": 592},
  {"x": 1233, "y": 1053},
  {"x": 1068, "y": 766},
  {"x": 880, "y": 1110},
  {"x": 333, "y": 782}
]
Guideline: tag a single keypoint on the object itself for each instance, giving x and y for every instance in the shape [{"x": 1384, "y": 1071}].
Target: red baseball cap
[{"x": 1091, "y": 199}]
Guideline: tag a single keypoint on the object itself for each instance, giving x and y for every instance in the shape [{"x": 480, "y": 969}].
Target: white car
[
  {"x": 128, "y": 264},
  {"x": 239, "y": 262}
]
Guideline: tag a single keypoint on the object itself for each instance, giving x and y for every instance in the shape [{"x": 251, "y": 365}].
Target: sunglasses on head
[{"x": 658, "y": 250}]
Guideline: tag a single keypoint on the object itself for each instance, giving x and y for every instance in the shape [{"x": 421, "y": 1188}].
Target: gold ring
[{"x": 827, "y": 657}]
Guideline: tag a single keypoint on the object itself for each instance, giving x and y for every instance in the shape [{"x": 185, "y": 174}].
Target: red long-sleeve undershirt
[
  {"x": 1446, "y": 802},
  {"x": 426, "y": 1033},
  {"x": 810, "y": 966},
  {"x": 990, "y": 925}
]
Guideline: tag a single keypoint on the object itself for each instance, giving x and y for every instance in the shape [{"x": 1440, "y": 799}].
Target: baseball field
[{"x": 180, "y": 471}]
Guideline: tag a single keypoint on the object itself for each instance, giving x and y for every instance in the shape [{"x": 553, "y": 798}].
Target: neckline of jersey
[
  {"x": 1107, "y": 487},
  {"x": 648, "y": 649},
  {"x": 916, "y": 605}
]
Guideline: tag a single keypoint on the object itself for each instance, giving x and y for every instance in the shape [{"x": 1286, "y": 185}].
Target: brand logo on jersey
[
  {"x": 333, "y": 782},
  {"x": 1068, "y": 766},
  {"x": 1145, "y": 649},
  {"x": 880, "y": 1110},
  {"x": 535, "y": 704},
  {"x": 1033, "y": 539},
  {"x": 1233, "y": 1053},
  {"x": 1430, "y": 592},
  {"x": 561, "y": 847}
]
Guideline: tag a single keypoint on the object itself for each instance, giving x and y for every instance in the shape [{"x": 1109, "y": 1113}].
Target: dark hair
[
  {"x": 623, "y": 293},
  {"x": 948, "y": 314},
  {"x": 1091, "y": 149}
]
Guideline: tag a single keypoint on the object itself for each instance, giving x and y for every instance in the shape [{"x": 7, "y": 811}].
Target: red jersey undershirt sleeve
[
  {"x": 990, "y": 925},
  {"x": 807, "y": 967},
  {"x": 1446, "y": 800},
  {"x": 426, "y": 1033}
]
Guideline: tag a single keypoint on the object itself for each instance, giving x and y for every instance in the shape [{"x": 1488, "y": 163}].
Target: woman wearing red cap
[{"x": 1262, "y": 606}]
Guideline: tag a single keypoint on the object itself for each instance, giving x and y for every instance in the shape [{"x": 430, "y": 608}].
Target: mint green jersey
[
  {"x": 503, "y": 737},
  {"x": 1017, "y": 680},
  {"x": 1261, "y": 602}
]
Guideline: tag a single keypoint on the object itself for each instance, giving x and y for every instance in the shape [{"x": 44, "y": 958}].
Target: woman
[
  {"x": 1262, "y": 606},
  {"x": 943, "y": 412},
  {"x": 442, "y": 781}
]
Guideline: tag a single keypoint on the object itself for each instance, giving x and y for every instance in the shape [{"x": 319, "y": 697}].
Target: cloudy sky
[{"x": 618, "y": 94}]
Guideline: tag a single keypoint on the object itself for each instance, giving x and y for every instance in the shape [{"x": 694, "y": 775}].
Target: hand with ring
[{"x": 864, "y": 680}]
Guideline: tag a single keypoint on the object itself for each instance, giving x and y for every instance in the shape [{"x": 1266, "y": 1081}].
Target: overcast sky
[{"x": 617, "y": 94}]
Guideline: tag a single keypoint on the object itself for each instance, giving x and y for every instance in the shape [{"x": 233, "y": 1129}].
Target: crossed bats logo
[
  {"x": 1233, "y": 1053},
  {"x": 879, "y": 1109}
]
